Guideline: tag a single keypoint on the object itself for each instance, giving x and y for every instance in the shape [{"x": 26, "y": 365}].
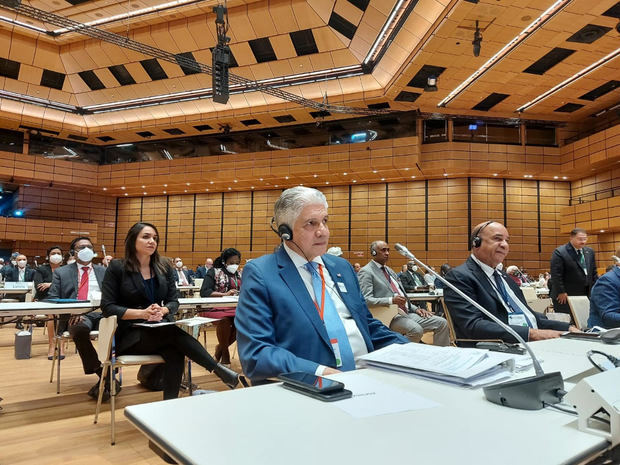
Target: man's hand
[
  {"x": 330, "y": 371},
  {"x": 542, "y": 334},
  {"x": 562, "y": 298},
  {"x": 573, "y": 329},
  {"x": 75, "y": 320},
  {"x": 43, "y": 286},
  {"x": 232, "y": 292},
  {"x": 424, "y": 313},
  {"x": 399, "y": 300}
]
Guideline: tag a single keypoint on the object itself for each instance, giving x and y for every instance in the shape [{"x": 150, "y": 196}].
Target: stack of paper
[{"x": 460, "y": 366}]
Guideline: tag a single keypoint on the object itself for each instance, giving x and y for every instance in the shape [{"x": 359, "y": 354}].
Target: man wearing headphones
[
  {"x": 81, "y": 280},
  {"x": 481, "y": 278},
  {"x": 301, "y": 309},
  {"x": 381, "y": 286}
]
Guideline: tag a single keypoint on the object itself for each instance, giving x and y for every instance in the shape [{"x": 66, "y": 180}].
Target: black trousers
[
  {"x": 80, "y": 333},
  {"x": 173, "y": 344}
]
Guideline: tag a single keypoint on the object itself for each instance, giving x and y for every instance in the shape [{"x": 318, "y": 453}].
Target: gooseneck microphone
[{"x": 531, "y": 393}]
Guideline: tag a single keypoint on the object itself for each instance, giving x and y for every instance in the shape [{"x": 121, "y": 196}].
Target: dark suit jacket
[
  {"x": 567, "y": 274},
  {"x": 411, "y": 280},
  {"x": 189, "y": 278},
  {"x": 278, "y": 327},
  {"x": 124, "y": 289},
  {"x": 65, "y": 281},
  {"x": 43, "y": 274},
  {"x": 471, "y": 323},
  {"x": 13, "y": 274}
]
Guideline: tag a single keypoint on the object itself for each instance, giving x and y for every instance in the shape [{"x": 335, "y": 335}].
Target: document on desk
[
  {"x": 372, "y": 398},
  {"x": 196, "y": 321},
  {"x": 155, "y": 325},
  {"x": 453, "y": 365}
]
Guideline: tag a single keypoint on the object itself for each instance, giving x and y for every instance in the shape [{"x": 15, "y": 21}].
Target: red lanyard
[{"x": 322, "y": 308}]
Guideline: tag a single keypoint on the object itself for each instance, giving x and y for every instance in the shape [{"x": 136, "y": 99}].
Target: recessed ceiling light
[
  {"x": 251, "y": 187},
  {"x": 276, "y": 185},
  {"x": 126, "y": 193},
  {"x": 494, "y": 174},
  {"x": 285, "y": 177},
  {"x": 211, "y": 182},
  {"x": 406, "y": 169},
  {"x": 144, "y": 193},
  {"x": 165, "y": 185},
  {"x": 555, "y": 177},
  {"x": 230, "y": 188},
  {"x": 185, "y": 190},
  {"x": 345, "y": 173},
  {"x": 105, "y": 188},
  {"x": 316, "y": 175},
  {"x": 602, "y": 230},
  {"x": 207, "y": 190},
  {"x": 445, "y": 174},
  {"x": 326, "y": 182},
  {"x": 354, "y": 180},
  {"x": 123, "y": 187},
  {"x": 412, "y": 177},
  {"x": 564, "y": 177},
  {"x": 382, "y": 179},
  {"x": 234, "y": 180},
  {"x": 374, "y": 171},
  {"x": 143, "y": 187},
  {"x": 187, "y": 183},
  {"x": 260, "y": 179},
  {"x": 165, "y": 192}
]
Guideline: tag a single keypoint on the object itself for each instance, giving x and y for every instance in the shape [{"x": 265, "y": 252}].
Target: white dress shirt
[
  {"x": 356, "y": 340},
  {"x": 94, "y": 292},
  {"x": 488, "y": 271}
]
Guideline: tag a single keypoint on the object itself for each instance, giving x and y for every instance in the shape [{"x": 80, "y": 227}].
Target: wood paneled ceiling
[{"x": 278, "y": 39}]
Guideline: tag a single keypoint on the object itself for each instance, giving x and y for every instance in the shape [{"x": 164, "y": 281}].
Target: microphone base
[{"x": 527, "y": 393}]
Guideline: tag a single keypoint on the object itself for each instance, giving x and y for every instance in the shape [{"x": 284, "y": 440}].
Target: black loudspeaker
[
  {"x": 476, "y": 240},
  {"x": 373, "y": 252}
]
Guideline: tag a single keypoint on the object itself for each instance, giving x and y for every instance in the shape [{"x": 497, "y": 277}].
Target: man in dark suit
[
  {"x": 201, "y": 271},
  {"x": 573, "y": 270},
  {"x": 82, "y": 280},
  {"x": 411, "y": 279},
  {"x": 181, "y": 276},
  {"x": 480, "y": 278},
  {"x": 301, "y": 309},
  {"x": 19, "y": 273}
]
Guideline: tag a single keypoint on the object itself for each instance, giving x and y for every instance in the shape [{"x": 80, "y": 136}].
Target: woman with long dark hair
[
  {"x": 141, "y": 288},
  {"x": 224, "y": 279}
]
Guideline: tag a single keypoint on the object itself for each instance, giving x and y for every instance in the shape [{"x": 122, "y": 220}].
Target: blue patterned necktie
[
  {"x": 333, "y": 324},
  {"x": 509, "y": 301}
]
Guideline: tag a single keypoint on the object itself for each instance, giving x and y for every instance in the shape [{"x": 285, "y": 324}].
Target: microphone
[{"x": 531, "y": 393}]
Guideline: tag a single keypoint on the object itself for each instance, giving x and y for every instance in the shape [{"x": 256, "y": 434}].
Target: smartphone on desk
[{"x": 314, "y": 386}]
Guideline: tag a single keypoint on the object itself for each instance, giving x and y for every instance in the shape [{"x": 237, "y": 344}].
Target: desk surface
[
  {"x": 438, "y": 294},
  {"x": 36, "y": 308},
  {"x": 276, "y": 426},
  {"x": 227, "y": 301}
]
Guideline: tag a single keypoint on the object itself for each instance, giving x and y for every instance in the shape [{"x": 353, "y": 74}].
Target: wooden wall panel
[
  {"x": 237, "y": 218},
  {"x": 367, "y": 218},
  {"x": 338, "y": 201},
  {"x": 599, "y": 186},
  {"x": 180, "y": 227},
  {"x": 264, "y": 240},
  {"x": 208, "y": 227}
]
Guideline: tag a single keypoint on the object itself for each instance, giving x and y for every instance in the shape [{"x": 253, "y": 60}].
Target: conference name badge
[
  {"x": 342, "y": 287},
  {"x": 517, "y": 319},
  {"x": 336, "y": 350}
]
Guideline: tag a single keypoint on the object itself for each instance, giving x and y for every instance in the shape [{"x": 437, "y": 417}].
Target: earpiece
[
  {"x": 476, "y": 240},
  {"x": 284, "y": 230},
  {"x": 373, "y": 252}
]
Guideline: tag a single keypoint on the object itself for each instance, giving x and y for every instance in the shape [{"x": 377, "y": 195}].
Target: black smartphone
[
  {"x": 329, "y": 396},
  {"x": 311, "y": 383}
]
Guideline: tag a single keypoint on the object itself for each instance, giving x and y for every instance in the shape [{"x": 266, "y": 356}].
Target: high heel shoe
[{"x": 229, "y": 377}]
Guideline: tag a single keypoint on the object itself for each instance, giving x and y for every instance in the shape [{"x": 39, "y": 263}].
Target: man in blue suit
[{"x": 301, "y": 310}]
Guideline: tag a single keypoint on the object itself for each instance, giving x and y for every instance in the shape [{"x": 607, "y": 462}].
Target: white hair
[
  {"x": 511, "y": 269},
  {"x": 292, "y": 201}
]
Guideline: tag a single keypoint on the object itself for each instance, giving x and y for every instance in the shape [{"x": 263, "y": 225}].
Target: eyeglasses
[{"x": 603, "y": 361}]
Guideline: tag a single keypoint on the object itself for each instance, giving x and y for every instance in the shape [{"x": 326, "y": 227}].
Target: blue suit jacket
[
  {"x": 278, "y": 327},
  {"x": 605, "y": 300}
]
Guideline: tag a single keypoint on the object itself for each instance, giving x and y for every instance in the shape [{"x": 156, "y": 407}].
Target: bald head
[{"x": 492, "y": 246}]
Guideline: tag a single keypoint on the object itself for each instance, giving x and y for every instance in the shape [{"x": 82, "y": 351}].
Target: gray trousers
[{"x": 413, "y": 326}]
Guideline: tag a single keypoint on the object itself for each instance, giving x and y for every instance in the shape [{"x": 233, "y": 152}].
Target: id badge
[
  {"x": 336, "y": 350},
  {"x": 342, "y": 287},
  {"x": 517, "y": 319}
]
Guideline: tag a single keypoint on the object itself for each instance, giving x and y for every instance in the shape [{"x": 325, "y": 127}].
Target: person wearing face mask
[
  {"x": 42, "y": 282},
  {"x": 12, "y": 263},
  {"x": 223, "y": 279},
  {"x": 81, "y": 280},
  {"x": 21, "y": 273},
  {"x": 411, "y": 279},
  {"x": 181, "y": 276}
]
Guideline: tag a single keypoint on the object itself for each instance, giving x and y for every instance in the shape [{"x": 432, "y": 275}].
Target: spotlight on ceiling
[
  {"x": 477, "y": 40},
  {"x": 431, "y": 84}
]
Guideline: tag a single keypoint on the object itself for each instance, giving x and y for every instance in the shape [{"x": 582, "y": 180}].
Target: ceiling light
[
  {"x": 126, "y": 194},
  {"x": 412, "y": 177},
  {"x": 105, "y": 188},
  {"x": 564, "y": 177},
  {"x": 165, "y": 192},
  {"x": 383, "y": 32},
  {"x": 185, "y": 190},
  {"x": 315, "y": 175},
  {"x": 494, "y": 174},
  {"x": 276, "y": 186},
  {"x": 26, "y": 25},
  {"x": 374, "y": 171},
  {"x": 144, "y": 193},
  {"x": 143, "y": 187},
  {"x": 260, "y": 179},
  {"x": 354, "y": 180},
  {"x": 165, "y": 185},
  {"x": 230, "y": 188},
  {"x": 555, "y": 177},
  {"x": 326, "y": 182},
  {"x": 477, "y": 40},
  {"x": 234, "y": 180},
  {"x": 382, "y": 179},
  {"x": 516, "y": 41},
  {"x": 211, "y": 182},
  {"x": 285, "y": 177},
  {"x": 431, "y": 84},
  {"x": 585, "y": 71},
  {"x": 123, "y": 187},
  {"x": 187, "y": 184},
  {"x": 345, "y": 173},
  {"x": 445, "y": 174}
]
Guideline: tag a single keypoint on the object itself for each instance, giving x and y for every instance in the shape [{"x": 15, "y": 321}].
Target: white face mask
[
  {"x": 55, "y": 258},
  {"x": 21, "y": 263},
  {"x": 179, "y": 264},
  {"x": 86, "y": 255},
  {"x": 232, "y": 269}
]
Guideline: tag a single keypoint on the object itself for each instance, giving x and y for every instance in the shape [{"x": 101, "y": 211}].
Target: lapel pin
[{"x": 339, "y": 275}]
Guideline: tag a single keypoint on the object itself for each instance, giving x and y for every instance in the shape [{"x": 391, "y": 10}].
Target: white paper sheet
[{"x": 372, "y": 398}]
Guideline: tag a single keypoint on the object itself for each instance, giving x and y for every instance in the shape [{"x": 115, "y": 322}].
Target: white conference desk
[
  {"x": 45, "y": 308},
  {"x": 209, "y": 302},
  {"x": 272, "y": 426}
]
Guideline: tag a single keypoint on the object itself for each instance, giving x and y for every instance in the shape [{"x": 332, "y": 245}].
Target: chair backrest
[
  {"x": 580, "y": 310},
  {"x": 529, "y": 293},
  {"x": 446, "y": 315},
  {"x": 107, "y": 328},
  {"x": 384, "y": 313},
  {"x": 198, "y": 282}
]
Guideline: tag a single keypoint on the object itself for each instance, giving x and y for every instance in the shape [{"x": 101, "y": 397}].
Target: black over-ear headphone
[
  {"x": 476, "y": 240},
  {"x": 284, "y": 230}
]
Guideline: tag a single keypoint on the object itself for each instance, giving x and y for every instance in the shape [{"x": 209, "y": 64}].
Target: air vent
[
  {"x": 379, "y": 106},
  {"x": 121, "y": 74},
  {"x": 174, "y": 131},
  {"x": 91, "y": 80},
  {"x": 405, "y": 96},
  {"x": 154, "y": 69},
  {"x": 614, "y": 11},
  {"x": 80, "y": 138},
  {"x": 320, "y": 114},
  {"x": 52, "y": 79},
  {"x": 262, "y": 50},
  {"x": 284, "y": 118},
  {"x": 250, "y": 122},
  {"x": 361, "y": 4},
  {"x": 588, "y": 34},
  {"x": 304, "y": 43},
  {"x": 548, "y": 61},
  {"x": 145, "y": 134},
  {"x": 601, "y": 90},
  {"x": 9, "y": 68},
  {"x": 421, "y": 78},
  {"x": 105, "y": 138},
  {"x": 188, "y": 68},
  {"x": 203, "y": 127},
  {"x": 341, "y": 25},
  {"x": 569, "y": 108},
  {"x": 490, "y": 102}
]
